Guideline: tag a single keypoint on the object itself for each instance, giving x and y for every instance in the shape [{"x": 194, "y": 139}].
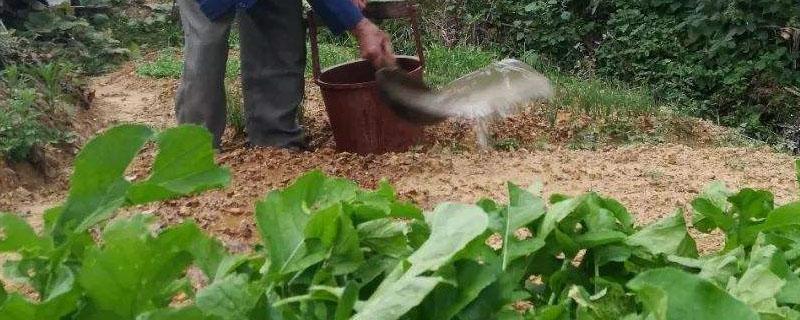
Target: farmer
[{"x": 273, "y": 61}]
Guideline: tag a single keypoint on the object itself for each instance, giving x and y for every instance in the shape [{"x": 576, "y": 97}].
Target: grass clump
[
  {"x": 34, "y": 110},
  {"x": 168, "y": 64},
  {"x": 447, "y": 64}
]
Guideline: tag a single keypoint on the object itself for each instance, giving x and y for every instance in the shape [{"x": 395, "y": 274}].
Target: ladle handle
[{"x": 376, "y": 11}]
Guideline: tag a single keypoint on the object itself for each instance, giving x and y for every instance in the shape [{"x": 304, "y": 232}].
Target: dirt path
[{"x": 650, "y": 180}]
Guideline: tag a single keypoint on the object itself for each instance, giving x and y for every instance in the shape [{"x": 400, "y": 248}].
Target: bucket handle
[{"x": 377, "y": 11}]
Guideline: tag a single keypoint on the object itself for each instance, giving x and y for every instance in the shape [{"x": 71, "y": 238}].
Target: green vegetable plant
[
  {"x": 20, "y": 128},
  {"x": 331, "y": 250}
]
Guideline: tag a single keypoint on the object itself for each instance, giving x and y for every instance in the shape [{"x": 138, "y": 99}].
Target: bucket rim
[{"x": 328, "y": 85}]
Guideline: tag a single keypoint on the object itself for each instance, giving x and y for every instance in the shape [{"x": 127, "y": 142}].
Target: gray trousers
[{"x": 272, "y": 35}]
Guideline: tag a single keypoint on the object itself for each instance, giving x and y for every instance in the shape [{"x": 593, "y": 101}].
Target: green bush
[
  {"x": 20, "y": 125},
  {"x": 45, "y": 55}
]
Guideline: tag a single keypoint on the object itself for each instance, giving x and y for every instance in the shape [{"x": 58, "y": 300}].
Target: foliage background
[{"x": 732, "y": 61}]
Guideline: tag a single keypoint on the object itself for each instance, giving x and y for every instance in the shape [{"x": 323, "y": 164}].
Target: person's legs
[
  {"x": 201, "y": 95},
  {"x": 273, "y": 66}
]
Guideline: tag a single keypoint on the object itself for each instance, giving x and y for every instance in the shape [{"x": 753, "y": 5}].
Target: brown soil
[{"x": 651, "y": 180}]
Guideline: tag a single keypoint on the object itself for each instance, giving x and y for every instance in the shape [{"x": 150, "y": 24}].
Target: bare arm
[{"x": 374, "y": 44}]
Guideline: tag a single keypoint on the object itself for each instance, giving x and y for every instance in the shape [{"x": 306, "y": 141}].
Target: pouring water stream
[{"x": 496, "y": 91}]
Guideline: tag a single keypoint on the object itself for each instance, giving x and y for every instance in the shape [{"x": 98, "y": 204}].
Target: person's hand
[
  {"x": 374, "y": 44},
  {"x": 361, "y": 4}
]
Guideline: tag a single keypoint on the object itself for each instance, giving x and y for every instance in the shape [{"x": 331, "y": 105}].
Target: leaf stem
[{"x": 564, "y": 265}]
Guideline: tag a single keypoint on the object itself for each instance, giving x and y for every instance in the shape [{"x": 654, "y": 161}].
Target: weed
[
  {"x": 234, "y": 39},
  {"x": 13, "y": 76},
  {"x": 50, "y": 74},
  {"x": 166, "y": 65},
  {"x": 332, "y": 54},
  {"x": 233, "y": 67},
  {"x": 447, "y": 64},
  {"x": 509, "y": 144},
  {"x": 235, "y": 114},
  {"x": 169, "y": 64},
  {"x": 600, "y": 98},
  {"x": 20, "y": 127},
  {"x": 654, "y": 175},
  {"x": 540, "y": 144}
]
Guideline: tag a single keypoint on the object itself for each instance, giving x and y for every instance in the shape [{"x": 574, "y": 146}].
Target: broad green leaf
[
  {"x": 667, "y": 236},
  {"x": 55, "y": 307},
  {"x": 763, "y": 280},
  {"x": 209, "y": 253},
  {"x": 375, "y": 267},
  {"x": 283, "y": 215},
  {"x": 556, "y": 312},
  {"x": 752, "y": 204},
  {"x": 673, "y": 294},
  {"x": 61, "y": 296},
  {"x": 385, "y": 236},
  {"x": 453, "y": 227},
  {"x": 406, "y": 211},
  {"x": 596, "y": 218},
  {"x": 471, "y": 278},
  {"x": 655, "y": 301},
  {"x": 232, "y": 297},
  {"x": 345, "y": 256},
  {"x": 758, "y": 287},
  {"x": 610, "y": 302},
  {"x": 710, "y": 208},
  {"x": 708, "y": 216},
  {"x": 16, "y": 235},
  {"x": 566, "y": 243},
  {"x": 324, "y": 225},
  {"x": 405, "y": 293},
  {"x": 132, "y": 269},
  {"x": 782, "y": 217},
  {"x": 346, "y": 303},
  {"x": 16, "y": 307},
  {"x": 718, "y": 268},
  {"x": 593, "y": 239},
  {"x": 556, "y": 213},
  {"x": 611, "y": 253},
  {"x": 521, "y": 248},
  {"x": 496, "y": 298},
  {"x": 184, "y": 165},
  {"x": 97, "y": 186},
  {"x": 790, "y": 293},
  {"x": 381, "y": 203},
  {"x": 31, "y": 271},
  {"x": 523, "y": 209},
  {"x": 619, "y": 212},
  {"x": 334, "y": 229}
]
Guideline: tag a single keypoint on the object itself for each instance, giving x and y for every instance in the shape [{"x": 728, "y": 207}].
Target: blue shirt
[{"x": 339, "y": 15}]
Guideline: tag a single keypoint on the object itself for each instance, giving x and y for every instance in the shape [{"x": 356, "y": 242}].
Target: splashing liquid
[{"x": 496, "y": 91}]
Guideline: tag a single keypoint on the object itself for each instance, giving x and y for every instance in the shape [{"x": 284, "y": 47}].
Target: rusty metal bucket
[{"x": 360, "y": 120}]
